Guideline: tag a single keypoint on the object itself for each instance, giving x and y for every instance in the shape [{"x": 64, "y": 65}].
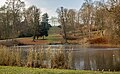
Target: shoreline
[
  {"x": 103, "y": 46},
  {"x": 28, "y": 41}
]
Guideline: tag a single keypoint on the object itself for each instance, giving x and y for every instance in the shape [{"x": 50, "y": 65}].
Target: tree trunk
[
  {"x": 43, "y": 38},
  {"x": 34, "y": 38}
]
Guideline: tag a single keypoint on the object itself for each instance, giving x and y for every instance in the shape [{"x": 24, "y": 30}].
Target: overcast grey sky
[{"x": 50, "y": 6}]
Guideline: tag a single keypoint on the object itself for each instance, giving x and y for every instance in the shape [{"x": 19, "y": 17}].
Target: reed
[
  {"x": 30, "y": 58},
  {"x": 37, "y": 57},
  {"x": 60, "y": 59}
]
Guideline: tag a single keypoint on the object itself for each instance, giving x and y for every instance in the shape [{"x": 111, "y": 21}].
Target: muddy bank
[
  {"x": 28, "y": 41},
  {"x": 9, "y": 43}
]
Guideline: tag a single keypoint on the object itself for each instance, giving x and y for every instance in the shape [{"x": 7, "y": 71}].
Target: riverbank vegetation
[
  {"x": 37, "y": 57},
  {"x": 24, "y": 70}
]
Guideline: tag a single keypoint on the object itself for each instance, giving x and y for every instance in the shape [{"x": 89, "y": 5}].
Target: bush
[{"x": 98, "y": 41}]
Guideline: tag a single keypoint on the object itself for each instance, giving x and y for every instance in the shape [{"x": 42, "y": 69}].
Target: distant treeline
[
  {"x": 99, "y": 15},
  {"x": 18, "y": 21}
]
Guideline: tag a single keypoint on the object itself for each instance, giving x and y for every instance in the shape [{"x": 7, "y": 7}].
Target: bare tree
[
  {"x": 87, "y": 14},
  {"x": 33, "y": 17},
  {"x": 72, "y": 19},
  {"x": 14, "y": 8},
  {"x": 62, "y": 17}
]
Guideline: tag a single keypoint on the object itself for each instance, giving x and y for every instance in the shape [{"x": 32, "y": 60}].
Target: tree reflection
[{"x": 108, "y": 60}]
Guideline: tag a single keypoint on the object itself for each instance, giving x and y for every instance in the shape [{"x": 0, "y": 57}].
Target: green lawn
[{"x": 23, "y": 70}]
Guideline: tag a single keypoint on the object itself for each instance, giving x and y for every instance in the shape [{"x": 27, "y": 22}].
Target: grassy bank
[
  {"x": 23, "y": 70},
  {"x": 51, "y": 39}
]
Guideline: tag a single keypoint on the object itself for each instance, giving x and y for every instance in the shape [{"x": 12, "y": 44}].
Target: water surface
[{"x": 88, "y": 58}]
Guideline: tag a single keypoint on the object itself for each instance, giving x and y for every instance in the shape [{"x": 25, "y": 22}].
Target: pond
[{"x": 89, "y": 58}]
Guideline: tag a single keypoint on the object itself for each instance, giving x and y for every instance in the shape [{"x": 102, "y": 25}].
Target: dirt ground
[
  {"x": 28, "y": 41},
  {"x": 50, "y": 39}
]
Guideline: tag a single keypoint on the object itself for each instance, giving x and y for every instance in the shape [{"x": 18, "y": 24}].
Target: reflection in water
[
  {"x": 91, "y": 58},
  {"x": 97, "y": 60}
]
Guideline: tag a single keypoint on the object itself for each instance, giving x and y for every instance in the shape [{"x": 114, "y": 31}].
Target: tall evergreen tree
[{"x": 45, "y": 26}]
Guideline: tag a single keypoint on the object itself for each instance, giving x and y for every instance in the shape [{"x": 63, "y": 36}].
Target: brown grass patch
[
  {"x": 100, "y": 40},
  {"x": 28, "y": 41}
]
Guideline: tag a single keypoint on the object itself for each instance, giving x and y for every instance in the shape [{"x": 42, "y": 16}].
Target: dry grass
[
  {"x": 9, "y": 57},
  {"x": 100, "y": 40},
  {"x": 37, "y": 57}
]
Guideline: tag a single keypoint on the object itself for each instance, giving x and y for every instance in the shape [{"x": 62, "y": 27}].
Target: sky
[{"x": 50, "y": 6}]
